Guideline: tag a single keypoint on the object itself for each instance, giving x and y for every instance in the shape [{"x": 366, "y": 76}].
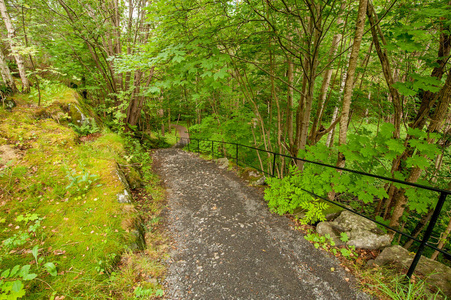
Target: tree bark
[
  {"x": 420, "y": 226},
  {"x": 6, "y": 73},
  {"x": 13, "y": 44},
  {"x": 443, "y": 239},
  {"x": 437, "y": 121},
  {"x": 349, "y": 85},
  {"x": 386, "y": 68},
  {"x": 313, "y": 137}
]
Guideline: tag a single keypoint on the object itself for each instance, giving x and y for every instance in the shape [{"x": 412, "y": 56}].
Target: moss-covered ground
[{"x": 60, "y": 216}]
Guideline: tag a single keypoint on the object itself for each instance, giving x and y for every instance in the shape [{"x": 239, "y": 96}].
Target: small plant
[
  {"x": 323, "y": 241},
  {"x": 11, "y": 280},
  {"x": 141, "y": 292},
  {"x": 86, "y": 128},
  {"x": 11, "y": 285},
  {"x": 80, "y": 183},
  {"x": 22, "y": 237},
  {"x": 400, "y": 288},
  {"x": 327, "y": 243},
  {"x": 106, "y": 265},
  {"x": 344, "y": 237}
]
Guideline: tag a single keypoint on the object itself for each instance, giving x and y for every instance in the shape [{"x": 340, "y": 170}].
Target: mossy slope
[{"x": 67, "y": 191}]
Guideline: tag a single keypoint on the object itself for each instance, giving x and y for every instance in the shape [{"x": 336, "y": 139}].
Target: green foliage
[
  {"x": 400, "y": 288},
  {"x": 143, "y": 293},
  {"x": 138, "y": 156},
  {"x": 85, "y": 128},
  {"x": 322, "y": 241},
  {"x": 11, "y": 280},
  {"x": 11, "y": 285},
  {"x": 327, "y": 243},
  {"x": 285, "y": 195},
  {"x": 344, "y": 237},
  {"x": 80, "y": 182},
  {"x": 22, "y": 236}
]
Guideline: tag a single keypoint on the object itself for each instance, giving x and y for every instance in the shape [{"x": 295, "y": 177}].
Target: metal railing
[{"x": 423, "y": 242}]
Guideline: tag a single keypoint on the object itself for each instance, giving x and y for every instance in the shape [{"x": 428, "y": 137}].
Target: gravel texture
[{"x": 227, "y": 245}]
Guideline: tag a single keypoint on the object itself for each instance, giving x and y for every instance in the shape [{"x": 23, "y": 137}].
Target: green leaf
[
  {"x": 403, "y": 89},
  {"x": 5, "y": 274},
  {"x": 35, "y": 252},
  {"x": 17, "y": 286},
  {"x": 51, "y": 268},
  {"x": 395, "y": 146},
  {"x": 221, "y": 73},
  {"x": 30, "y": 276},
  {"x": 387, "y": 130},
  {"x": 24, "y": 271},
  {"x": 417, "y": 132},
  {"x": 344, "y": 237},
  {"x": 417, "y": 161},
  {"x": 14, "y": 270}
]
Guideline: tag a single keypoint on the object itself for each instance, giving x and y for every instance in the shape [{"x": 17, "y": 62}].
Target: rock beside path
[
  {"x": 361, "y": 232},
  {"x": 437, "y": 274}
]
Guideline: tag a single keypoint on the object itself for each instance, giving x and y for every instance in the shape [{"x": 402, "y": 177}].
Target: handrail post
[
  {"x": 274, "y": 165},
  {"x": 212, "y": 151},
  {"x": 427, "y": 233},
  {"x": 198, "y": 146},
  {"x": 236, "y": 156}
]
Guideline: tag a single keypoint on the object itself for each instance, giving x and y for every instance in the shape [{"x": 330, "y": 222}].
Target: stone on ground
[
  {"x": 362, "y": 233},
  {"x": 437, "y": 274}
]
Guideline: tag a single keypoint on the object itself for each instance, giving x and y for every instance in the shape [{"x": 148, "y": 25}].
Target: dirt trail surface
[
  {"x": 228, "y": 246},
  {"x": 183, "y": 134}
]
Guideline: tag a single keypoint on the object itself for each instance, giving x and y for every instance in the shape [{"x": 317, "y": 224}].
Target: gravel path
[{"x": 228, "y": 246}]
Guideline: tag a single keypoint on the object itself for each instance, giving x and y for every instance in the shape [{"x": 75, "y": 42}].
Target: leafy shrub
[
  {"x": 85, "y": 128},
  {"x": 285, "y": 195}
]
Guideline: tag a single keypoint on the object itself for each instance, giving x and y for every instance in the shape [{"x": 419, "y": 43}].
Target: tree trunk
[
  {"x": 420, "y": 226},
  {"x": 443, "y": 240},
  {"x": 13, "y": 44},
  {"x": 313, "y": 137},
  {"x": 330, "y": 136},
  {"x": 385, "y": 63},
  {"x": 399, "y": 198},
  {"x": 289, "y": 122},
  {"x": 349, "y": 85},
  {"x": 6, "y": 73}
]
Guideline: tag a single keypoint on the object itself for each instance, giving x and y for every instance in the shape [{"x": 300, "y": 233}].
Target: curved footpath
[
  {"x": 183, "y": 135},
  {"x": 226, "y": 244}
]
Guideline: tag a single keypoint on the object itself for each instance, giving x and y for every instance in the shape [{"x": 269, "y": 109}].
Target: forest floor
[{"x": 227, "y": 245}]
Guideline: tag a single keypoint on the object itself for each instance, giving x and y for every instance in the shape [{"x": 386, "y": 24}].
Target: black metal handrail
[{"x": 423, "y": 242}]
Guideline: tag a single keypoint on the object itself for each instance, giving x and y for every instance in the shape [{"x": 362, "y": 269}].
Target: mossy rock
[
  {"x": 134, "y": 178},
  {"x": 55, "y": 112},
  {"x": 69, "y": 109},
  {"x": 132, "y": 224},
  {"x": 250, "y": 175}
]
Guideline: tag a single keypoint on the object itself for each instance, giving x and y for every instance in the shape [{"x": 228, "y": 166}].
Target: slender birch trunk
[
  {"x": 349, "y": 85},
  {"x": 6, "y": 73},
  {"x": 386, "y": 68},
  {"x": 13, "y": 44}
]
